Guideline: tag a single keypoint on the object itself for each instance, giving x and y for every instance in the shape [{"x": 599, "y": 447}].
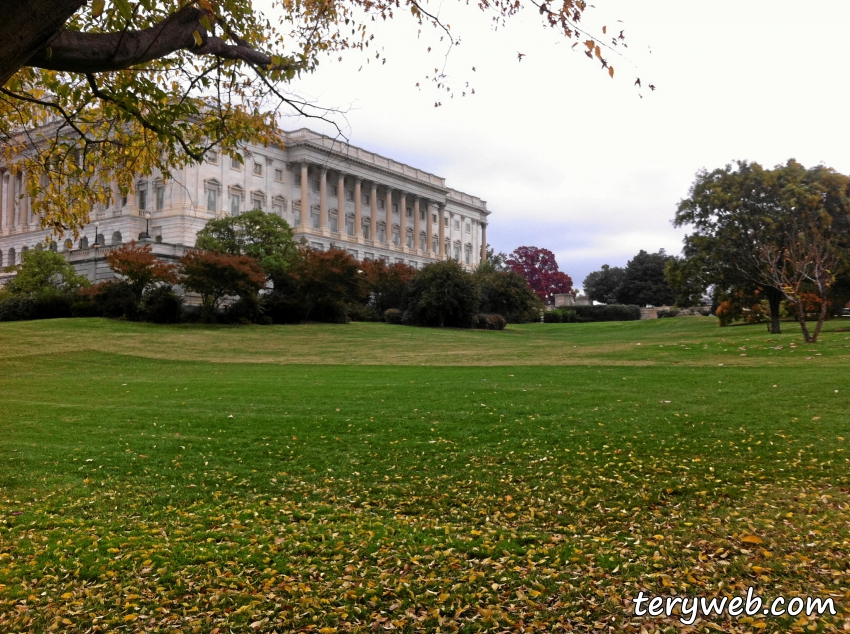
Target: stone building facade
[{"x": 332, "y": 193}]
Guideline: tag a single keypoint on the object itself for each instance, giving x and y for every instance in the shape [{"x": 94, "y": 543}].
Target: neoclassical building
[{"x": 332, "y": 193}]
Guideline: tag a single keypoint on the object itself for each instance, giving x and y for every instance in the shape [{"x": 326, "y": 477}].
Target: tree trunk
[
  {"x": 28, "y": 27},
  {"x": 801, "y": 316},
  {"x": 824, "y": 308},
  {"x": 774, "y": 298}
]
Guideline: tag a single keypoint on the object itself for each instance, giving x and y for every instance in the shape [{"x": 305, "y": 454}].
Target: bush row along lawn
[{"x": 351, "y": 498}]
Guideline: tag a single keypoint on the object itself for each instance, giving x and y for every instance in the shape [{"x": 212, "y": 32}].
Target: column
[
  {"x": 416, "y": 229},
  {"x": 305, "y": 199},
  {"x": 373, "y": 222},
  {"x": 4, "y": 179},
  {"x": 17, "y": 187},
  {"x": 441, "y": 246},
  {"x": 483, "y": 242},
  {"x": 10, "y": 201},
  {"x": 323, "y": 202},
  {"x": 388, "y": 234},
  {"x": 358, "y": 211},
  {"x": 402, "y": 221},
  {"x": 340, "y": 204}
]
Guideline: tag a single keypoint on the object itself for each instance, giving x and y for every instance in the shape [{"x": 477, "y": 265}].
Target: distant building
[{"x": 332, "y": 193}]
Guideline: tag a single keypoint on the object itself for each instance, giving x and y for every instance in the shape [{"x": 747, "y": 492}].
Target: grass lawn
[{"x": 330, "y": 478}]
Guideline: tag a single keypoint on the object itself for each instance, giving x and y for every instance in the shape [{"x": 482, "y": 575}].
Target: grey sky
[{"x": 575, "y": 162}]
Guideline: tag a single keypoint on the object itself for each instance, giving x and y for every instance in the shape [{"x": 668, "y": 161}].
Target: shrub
[
  {"x": 607, "y": 312},
  {"x": 568, "y": 316},
  {"x": 281, "y": 308},
  {"x": 245, "y": 310},
  {"x": 140, "y": 268},
  {"x": 490, "y": 321},
  {"x": 17, "y": 308},
  {"x": 443, "y": 295},
  {"x": 664, "y": 314},
  {"x": 552, "y": 317},
  {"x": 392, "y": 316},
  {"x": 33, "y": 306},
  {"x": 507, "y": 293},
  {"x": 114, "y": 298},
  {"x": 360, "y": 312},
  {"x": 161, "y": 305},
  {"x": 83, "y": 306},
  {"x": 386, "y": 284}
]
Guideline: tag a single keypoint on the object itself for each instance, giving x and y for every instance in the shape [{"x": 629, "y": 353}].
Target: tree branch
[{"x": 75, "y": 51}]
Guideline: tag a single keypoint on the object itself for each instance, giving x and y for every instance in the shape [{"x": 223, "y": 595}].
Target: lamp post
[{"x": 147, "y": 225}]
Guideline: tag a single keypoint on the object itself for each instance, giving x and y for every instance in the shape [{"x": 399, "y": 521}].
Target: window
[
  {"x": 421, "y": 214},
  {"x": 315, "y": 184},
  {"x": 349, "y": 224},
  {"x": 365, "y": 199},
  {"x": 212, "y": 157},
  {"x": 396, "y": 236},
  {"x": 278, "y": 175},
  {"x": 423, "y": 241},
  {"x": 457, "y": 225},
  {"x": 298, "y": 183},
  {"x": 434, "y": 218},
  {"x": 349, "y": 195},
  {"x": 353, "y": 253},
  {"x": 236, "y": 162},
  {"x": 365, "y": 228},
  {"x": 434, "y": 244},
  {"x": 408, "y": 240},
  {"x": 258, "y": 169},
  {"x": 212, "y": 200},
  {"x": 333, "y": 221},
  {"x": 409, "y": 212},
  {"x": 142, "y": 196},
  {"x": 160, "y": 196},
  {"x": 279, "y": 206},
  {"x": 395, "y": 208},
  {"x": 332, "y": 189},
  {"x": 116, "y": 238},
  {"x": 446, "y": 220},
  {"x": 296, "y": 213},
  {"x": 381, "y": 203},
  {"x": 467, "y": 254},
  {"x": 258, "y": 201},
  {"x": 455, "y": 252},
  {"x": 382, "y": 232},
  {"x": 123, "y": 201},
  {"x": 314, "y": 217},
  {"x": 235, "y": 203},
  {"x": 468, "y": 228}
]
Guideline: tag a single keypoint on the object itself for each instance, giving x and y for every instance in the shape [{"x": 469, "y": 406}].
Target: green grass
[{"x": 361, "y": 477}]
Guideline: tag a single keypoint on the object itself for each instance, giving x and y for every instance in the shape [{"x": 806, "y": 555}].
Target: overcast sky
[{"x": 573, "y": 161}]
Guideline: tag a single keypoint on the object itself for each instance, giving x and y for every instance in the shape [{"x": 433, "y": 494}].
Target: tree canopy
[
  {"x": 102, "y": 92},
  {"x": 644, "y": 281},
  {"x": 604, "y": 285},
  {"x": 781, "y": 230},
  {"x": 540, "y": 270}
]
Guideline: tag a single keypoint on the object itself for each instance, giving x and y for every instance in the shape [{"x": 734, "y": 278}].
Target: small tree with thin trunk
[
  {"x": 140, "y": 268},
  {"x": 215, "y": 276}
]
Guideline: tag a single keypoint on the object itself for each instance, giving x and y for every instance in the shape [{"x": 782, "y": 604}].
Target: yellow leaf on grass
[
  {"x": 130, "y": 617},
  {"x": 752, "y": 539}
]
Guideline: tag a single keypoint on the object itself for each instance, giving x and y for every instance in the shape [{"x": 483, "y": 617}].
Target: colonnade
[
  {"x": 432, "y": 225},
  {"x": 15, "y": 211}
]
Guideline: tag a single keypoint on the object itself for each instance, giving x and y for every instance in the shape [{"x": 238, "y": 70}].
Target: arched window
[
  {"x": 24, "y": 249},
  {"x": 333, "y": 220},
  {"x": 12, "y": 256},
  {"x": 69, "y": 244},
  {"x": 101, "y": 240},
  {"x": 116, "y": 237},
  {"x": 39, "y": 247},
  {"x": 53, "y": 246},
  {"x": 84, "y": 242}
]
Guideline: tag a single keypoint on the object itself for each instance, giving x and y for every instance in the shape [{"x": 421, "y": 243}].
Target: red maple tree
[{"x": 540, "y": 270}]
